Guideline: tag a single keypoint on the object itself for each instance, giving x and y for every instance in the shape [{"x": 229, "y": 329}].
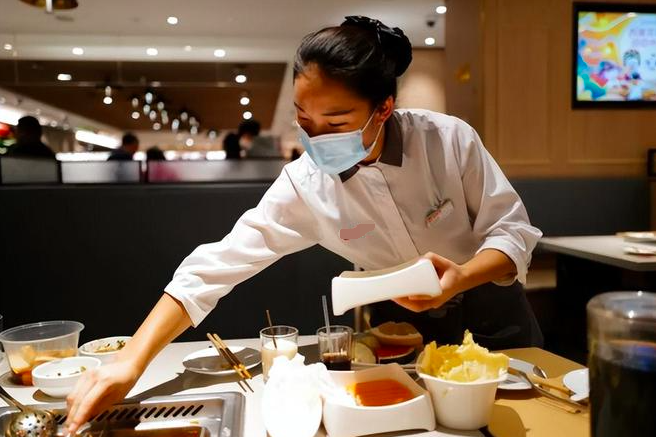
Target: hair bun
[{"x": 394, "y": 42}]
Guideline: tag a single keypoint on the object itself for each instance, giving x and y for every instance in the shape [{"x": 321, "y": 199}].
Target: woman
[{"x": 422, "y": 179}]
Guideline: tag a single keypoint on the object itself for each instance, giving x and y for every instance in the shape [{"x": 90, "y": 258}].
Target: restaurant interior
[{"x": 562, "y": 95}]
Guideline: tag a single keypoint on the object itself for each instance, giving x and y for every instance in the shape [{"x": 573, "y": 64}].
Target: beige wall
[
  {"x": 422, "y": 86},
  {"x": 527, "y": 120}
]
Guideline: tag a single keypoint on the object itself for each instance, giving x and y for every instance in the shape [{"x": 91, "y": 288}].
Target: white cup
[{"x": 462, "y": 405}]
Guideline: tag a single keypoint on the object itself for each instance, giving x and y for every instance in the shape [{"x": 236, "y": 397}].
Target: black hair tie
[{"x": 374, "y": 25}]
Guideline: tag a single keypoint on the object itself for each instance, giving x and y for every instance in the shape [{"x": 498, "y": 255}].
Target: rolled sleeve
[
  {"x": 279, "y": 225},
  {"x": 499, "y": 218}
]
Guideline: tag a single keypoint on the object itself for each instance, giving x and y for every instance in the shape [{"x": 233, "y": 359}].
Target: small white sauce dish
[
  {"x": 91, "y": 348},
  {"x": 58, "y": 378}
]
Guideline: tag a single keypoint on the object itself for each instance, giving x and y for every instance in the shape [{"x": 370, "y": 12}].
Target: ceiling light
[
  {"x": 135, "y": 115},
  {"x": 135, "y": 102},
  {"x": 149, "y": 97},
  {"x": 193, "y": 121},
  {"x": 157, "y": 126},
  {"x": 219, "y": 53},
  {"x": 440, "y": 10},
  {"x": 430, "y": 41},
  {"x": 146, "y": 109},
  {"x": 241, "y": 78},
  {"x": 78, "y": 51},
  {"x": 247, "y": 115},
  {"x": 160, "y": 106},
  {"x": 99, "y": 139},
  {"x": 211, "y": 134},
  {"x": 152, "y": 51},
  {"x": 64, "y": 77},
  {"x": 107, "y": 100},
  {"x": 189, "y": 142},
  {"x": 53, "y": 123},
  {"x": 193, "y": 130},
  {"x": 184, "y": 116},
  {"x": 187, "y": 48},
  {"x": 8, "y": 47},
  {"x": 172, "y": 20},
  {"x": 152, "y": 115},
  {"x": 244, "y": 101},
  {"x": 175, "y": 124}
]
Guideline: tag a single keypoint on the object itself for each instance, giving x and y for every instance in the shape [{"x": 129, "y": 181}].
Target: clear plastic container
[
  {"x": 622, "y": 345},
  {"x": 27, "y": 346}
]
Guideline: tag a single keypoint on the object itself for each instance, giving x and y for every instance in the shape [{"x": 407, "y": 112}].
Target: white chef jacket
[{"x": 429, "y": 159}]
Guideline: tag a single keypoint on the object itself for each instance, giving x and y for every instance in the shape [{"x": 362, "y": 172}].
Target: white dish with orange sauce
[{"x": 343, "y": 420}]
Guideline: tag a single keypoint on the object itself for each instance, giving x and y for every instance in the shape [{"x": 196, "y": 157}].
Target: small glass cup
[
  {"x": 286, "y": 344},
  {"x": 622, "y": 361},
  {"x": 336, "y": 347}
]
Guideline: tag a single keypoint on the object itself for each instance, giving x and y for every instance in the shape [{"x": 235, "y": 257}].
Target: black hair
[
  {"x": 362, "y": 53},
  {"x": 29, "y": 126},
  {"x": 155, "y": 154},
  {"x": 231, "y": 146},
  {"x": 249, "y": 127},
  {"x": 129, "y": 138}
]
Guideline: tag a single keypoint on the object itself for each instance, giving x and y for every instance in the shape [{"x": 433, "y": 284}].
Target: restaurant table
[
  {"x": 604, "y": 249},
  {"x": 585, "y": 267},
  {"x": 516, "y": 413}
]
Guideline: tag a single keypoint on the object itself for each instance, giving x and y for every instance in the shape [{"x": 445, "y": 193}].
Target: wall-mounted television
[{"x": 614, "y": 55}]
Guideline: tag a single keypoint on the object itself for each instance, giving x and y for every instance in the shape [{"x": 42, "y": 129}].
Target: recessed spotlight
[
  {"x": 172, "y": 20},
  {"x": 157, "y": 126},
  {"x": 430, "y": 41},
  {"x": 241, "y": 78},
  {"x": 8, "y": 46},
  {"x": 219, "y": 53},
  {"x": 244, "y": 101},
  {"x": 189, "y": 142},
  {"x": 135, "y": 102},
  {"x": 193, "y": 130},
  {"x": 160, "y": 106},
  {"x": 135, "y": 115},
  {"x": 247, "y": 115},
  {"x": 152, "y": 51},
  {"x": 64, "y": 77},
  {"x": 107, "y": 100},
  {"x": 146, "y": 109},
  {"x": 184, "y": 116},
  {"x": 441, "y": 9},
  {"x": 149, "y": 97},
  {"x": 175, "y": 124},
  {"x": 78, "y": 51},
  {"x": 53, "y": 123},
  {"x": 187, "y": 48},
  {"x": 153, "y": 115}
]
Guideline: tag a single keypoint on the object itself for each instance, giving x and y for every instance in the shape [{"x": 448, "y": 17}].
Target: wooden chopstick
[
  {"x": 235, "y": 360},
  {"x": 230, "y": 358}
]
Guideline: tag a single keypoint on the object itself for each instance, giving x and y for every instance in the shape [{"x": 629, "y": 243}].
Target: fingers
[
  {"x": 82, "y": 387},
  {"x": 89, "y": 403}
]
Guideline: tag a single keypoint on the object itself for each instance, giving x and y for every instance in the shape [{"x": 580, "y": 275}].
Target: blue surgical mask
[{"x": 335, "y": 153}]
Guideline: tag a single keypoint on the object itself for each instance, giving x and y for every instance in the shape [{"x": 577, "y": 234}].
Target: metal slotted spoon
[{"x": 30, "y": 422}]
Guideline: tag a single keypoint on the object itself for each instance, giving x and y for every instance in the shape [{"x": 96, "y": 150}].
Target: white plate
[
  {"x": 635, "y": 250},
  {"x": 577, "y": 381},
  {"x": 640, "y": 237},
  {"x": 515, "y": 382},
  {"x": 208, "y": 361}
]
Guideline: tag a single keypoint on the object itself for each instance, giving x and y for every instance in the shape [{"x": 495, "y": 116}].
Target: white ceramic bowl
[
  {"x": 462, "y": 405},
  {"x": 58, "y": 378},
  {"x": 342, "y": 420},
  {"x": 89, "y": 349}
]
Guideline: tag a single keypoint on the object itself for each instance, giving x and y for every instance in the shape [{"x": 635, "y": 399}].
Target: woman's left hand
[{"x": 452, "y": 280}]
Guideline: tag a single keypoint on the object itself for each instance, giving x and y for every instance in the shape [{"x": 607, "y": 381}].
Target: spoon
[{"x": 29, "y": 422}]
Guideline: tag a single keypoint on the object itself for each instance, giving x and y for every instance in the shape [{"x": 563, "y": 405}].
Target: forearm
[
  {"x": 487, "y": 266},
  {"x": 166, "y": 321}
]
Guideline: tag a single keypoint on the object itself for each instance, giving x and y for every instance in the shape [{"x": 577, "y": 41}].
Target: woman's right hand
[{"x": 98, "y": 389}]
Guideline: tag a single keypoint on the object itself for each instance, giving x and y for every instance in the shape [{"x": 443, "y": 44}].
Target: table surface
[
  {"x": 516, "y": 414},
  {"x": 606, "y": 249}
]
